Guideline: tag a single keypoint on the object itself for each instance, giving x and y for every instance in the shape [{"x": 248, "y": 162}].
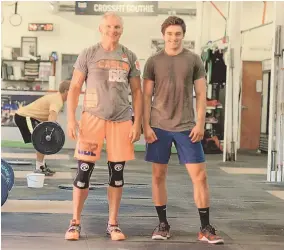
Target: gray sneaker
[{"x": 161, "y": 232}]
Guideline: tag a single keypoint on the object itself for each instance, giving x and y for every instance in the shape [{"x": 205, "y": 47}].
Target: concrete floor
[{"x": 245, "y": 209}]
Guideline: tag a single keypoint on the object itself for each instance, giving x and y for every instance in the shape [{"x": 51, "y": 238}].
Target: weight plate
[
  {"x": 8, "y": 174},
  {"x": 4, "y": 190},
  {"x": 48, "y": 138}
]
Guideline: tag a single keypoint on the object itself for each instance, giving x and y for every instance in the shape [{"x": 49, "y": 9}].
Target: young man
[
  {"x": 45, "y": 108},
  {"x": 108, "y": 69},
  {"x": 173, "y": 72}
]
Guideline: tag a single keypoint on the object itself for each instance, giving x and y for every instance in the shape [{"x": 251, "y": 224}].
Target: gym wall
[
  {"x": 73, "y": 33},
  {"x": 256, "y": 46}
]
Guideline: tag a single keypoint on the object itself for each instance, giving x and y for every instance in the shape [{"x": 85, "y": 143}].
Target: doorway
[{"x": 251, "y": 106}]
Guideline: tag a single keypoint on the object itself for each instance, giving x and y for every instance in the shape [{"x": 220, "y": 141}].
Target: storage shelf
[
  {"x": 22, "y": 80},
  {"x": 211, "y": 122},
  {"x": 38, "y": 61},
  {"x": 24, "y": 90},
  {"x": 214, "y": 107}
]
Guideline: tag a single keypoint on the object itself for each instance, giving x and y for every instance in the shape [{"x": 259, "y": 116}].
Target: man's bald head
[
  {"x": 108, "y": 15},
  {"x": 111, "y": 27}
]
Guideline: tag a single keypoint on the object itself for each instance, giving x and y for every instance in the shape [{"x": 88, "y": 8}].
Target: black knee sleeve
[
  {"x": 84, "y": 172},
  {"x": 116, "y": 173}
]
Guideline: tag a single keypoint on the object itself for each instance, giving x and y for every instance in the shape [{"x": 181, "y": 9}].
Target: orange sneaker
[
  {"x": 208, "y": 234},
  {"x": 73, "y": 232},
  {"x": 115, "y": 233}
]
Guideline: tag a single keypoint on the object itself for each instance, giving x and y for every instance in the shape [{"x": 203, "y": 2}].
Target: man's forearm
[
  {"x": 147, "y": 100},
  {"x": 72, "y": 102},
  {"x": 137, "y": 106},
  {"x": 52, "y": 117},
  {"x": 201, "y": 109}
]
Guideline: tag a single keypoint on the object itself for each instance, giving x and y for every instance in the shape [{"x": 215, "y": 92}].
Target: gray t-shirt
[
  {"x": 107, "y": 81},
  {"x": 173, "y": 76}
]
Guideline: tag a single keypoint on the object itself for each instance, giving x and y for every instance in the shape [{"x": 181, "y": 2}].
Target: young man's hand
[
  {"x": 149, "y": 135},
  {"x": 197, "y": 133}
]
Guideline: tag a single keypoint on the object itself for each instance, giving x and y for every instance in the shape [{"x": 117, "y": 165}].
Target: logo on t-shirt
[{"x": 124, "y": 58}]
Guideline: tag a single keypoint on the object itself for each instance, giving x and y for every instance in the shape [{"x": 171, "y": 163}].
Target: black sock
[
  {"x": 162, "y": 213},
  {"x": 204, "y": 216}
]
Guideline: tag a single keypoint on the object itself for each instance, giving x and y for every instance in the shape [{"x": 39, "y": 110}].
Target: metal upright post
[
  {"x": 276, "y": 112},
  {"x": 233, "y": 82},
  {"x": 199, "y": 25}
]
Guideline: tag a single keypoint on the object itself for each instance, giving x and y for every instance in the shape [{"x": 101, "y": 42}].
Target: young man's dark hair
[{"x": 173, "y": 20}]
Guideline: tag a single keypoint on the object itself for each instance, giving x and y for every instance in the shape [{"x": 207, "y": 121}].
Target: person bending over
[{"x": 45, "y": 108}]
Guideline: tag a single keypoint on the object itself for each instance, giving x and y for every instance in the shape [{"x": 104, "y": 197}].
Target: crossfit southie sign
[{"x": 138, "y": 8}]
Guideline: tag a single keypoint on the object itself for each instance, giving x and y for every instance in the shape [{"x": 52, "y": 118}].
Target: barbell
[{"x": 48, "y": 138}]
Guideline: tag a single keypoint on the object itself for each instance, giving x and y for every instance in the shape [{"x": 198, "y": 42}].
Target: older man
[{"x": 108, "y": 69}]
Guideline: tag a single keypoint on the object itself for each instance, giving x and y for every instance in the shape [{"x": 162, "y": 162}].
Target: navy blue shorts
[{"x": 160, "y": 150}]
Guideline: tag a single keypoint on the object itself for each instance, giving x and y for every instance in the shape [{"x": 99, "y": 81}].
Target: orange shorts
[{"x": 93, "y": 131}]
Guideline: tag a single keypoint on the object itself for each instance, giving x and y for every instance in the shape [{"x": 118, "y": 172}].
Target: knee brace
[
  {"x": 84, "y": 173},
  {"x": 116, "y": 173}
]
